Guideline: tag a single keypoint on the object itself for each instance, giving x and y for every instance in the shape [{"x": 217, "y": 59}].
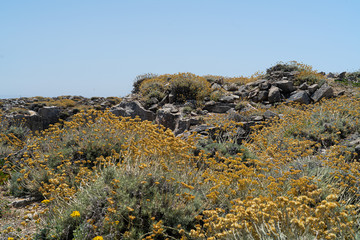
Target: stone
[
  {"x": 300, "y": 97},
  {"x": 171, "y": 98},
  {"x": 257, "y": 118},
  {"x": 154, "y": 108},
  {"x": 49, "y": 115},
  {"x": 331, "y": 75},
  {"x": 164, "y": 100},
  {"x": 313, "y": 88},
  {"x": 24, "y": 202},
  {"x": 352, "y": 140},
  {"x": 341, "y": 93},
  {"x": 262, "y": 96},
  {"x": 357, "y": 149},
  {"x": 232, "y": 87},
  {"x": 167, "y": 118},
  {"x": 216, "y": 86},
  {"x": 258, "y": 96},
  {"x": 218, "y": 107},
  {"x": 342, "y": 76},
  {"x": 243, "y": 88},
  {"x": 285, "y": 85},
  {"x": 274, "y": 95},
  {"x": 241, "y": 135},
  {"x": 264, "y": 85},
  {"x": 325, "y": 91},
  {"x": 228, "y": 98},
  {"x": 203, "y": 128},
  {"x": 269, "y": 114},
  {"x": 242, "y": 92},
  {"x": 132, "y": 109},
  {"x": 303, "y": 86},
  {"x": 235, "y": 116},
  {"x": 182, "y": 126}
]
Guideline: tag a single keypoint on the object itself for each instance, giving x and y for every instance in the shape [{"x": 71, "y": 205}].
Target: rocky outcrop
[
  {"x": 300, "y": 97},
  {"x": 132, "y": 109},
  {"x": 37, "y": 113},
  {"x": 168, "y": 116},
  {"x": 49, "y": 115},
  {"x": 285, "y": 85},
  {"x": 218, "y": 107},
  {"x": 275, "y": 87},
  {"x": 274, "y": 95},
  {"x": 325, "y": 91}
]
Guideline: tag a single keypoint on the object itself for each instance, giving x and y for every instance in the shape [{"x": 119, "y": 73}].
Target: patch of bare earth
[{"x": 19, "y": 217}]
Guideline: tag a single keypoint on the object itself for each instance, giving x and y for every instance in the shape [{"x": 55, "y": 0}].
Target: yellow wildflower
[
  {"x": 98, "y": 238},
  {"x": 75, "y": 214}
]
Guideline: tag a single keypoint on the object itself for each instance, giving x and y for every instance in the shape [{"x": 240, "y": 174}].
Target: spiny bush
[
  {"x": 139, "y": 79},
  {"x": 113, "y": 100},
  {"x": 188, "y": 86},
  {"x": 183, "y": 86},
  {"x": 12, "y": 137},
  {"x": 241, "y": 80},
  {"x": 153, "y": 88},
  {"x": 281, "y": 187},
  {"x": 135, "y": 205},
  {"x": 64, "y": 103},
  {"x": 216, "y": 95},
  {"x": 352, "y": 78},
  {"x": 154, "y": 179},
  {"x": 305, "y": 73},
  {"x": 327, "y": 123}
]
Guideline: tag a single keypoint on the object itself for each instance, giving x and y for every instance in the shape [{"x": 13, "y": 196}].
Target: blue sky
[{"x": 97, "y": 48}]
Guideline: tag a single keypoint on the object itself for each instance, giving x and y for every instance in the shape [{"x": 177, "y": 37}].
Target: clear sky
[{"x": 97, "y": 48}]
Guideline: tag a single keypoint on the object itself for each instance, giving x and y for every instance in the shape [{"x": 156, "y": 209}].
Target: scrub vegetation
[{"x": 98, "y": 176}]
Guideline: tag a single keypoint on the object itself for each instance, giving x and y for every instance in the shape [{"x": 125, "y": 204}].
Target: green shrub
[
  {"x": 352, "y": 78},
  {"x": 284, "y": 67},
  {"x": 125, "y": 205},
  {"x": 152, "y": 89},
  {"x": 184, "y": 86},
  {"x": 240, "y": 106},
  {"x": 139, "y": 79},
  {"x": 187, "y": 110},
  {"x": 188, "y": 86},
  {"x": 305, "y": 72},
  {"x": 216, "y": 95}
]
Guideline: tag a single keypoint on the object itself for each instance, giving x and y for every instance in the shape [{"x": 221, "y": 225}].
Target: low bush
[
  {"x": 188, "y": 86},
  {"x": 139, "y": 79},
  {"x": 64, "y": 103},
  {"x": 352, "y": 78},
  {"x": 183, "y": 86},
  {"x": 216, "y": 95},
  {"x": 303, "y": 73},
  {"x": 135, "y": 205}
]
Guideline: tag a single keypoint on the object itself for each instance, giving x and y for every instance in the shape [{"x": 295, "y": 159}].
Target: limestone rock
[
  {"x": 274, "y": 95},
  {"x": 232, "y": 87},
  {"x": 218, "y": 107},
  {"x": 300, "y": 97},
  {"x": 325, "y": 91},
  {"x": 168, "y": 118},
  {"x": 313, "y": 88},
  {"x": 132, "y": 109},
  {"x": 285, "y": 85},
  {"x": 228, "y": 98}
]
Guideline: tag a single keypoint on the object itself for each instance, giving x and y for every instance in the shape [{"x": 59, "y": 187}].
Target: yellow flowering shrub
[{"x": 292, "y": 177}]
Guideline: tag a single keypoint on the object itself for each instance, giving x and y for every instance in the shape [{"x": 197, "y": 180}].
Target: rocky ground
[
  {"x": 277, "y": 86},
  {"x": 247, "y": 104}
]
